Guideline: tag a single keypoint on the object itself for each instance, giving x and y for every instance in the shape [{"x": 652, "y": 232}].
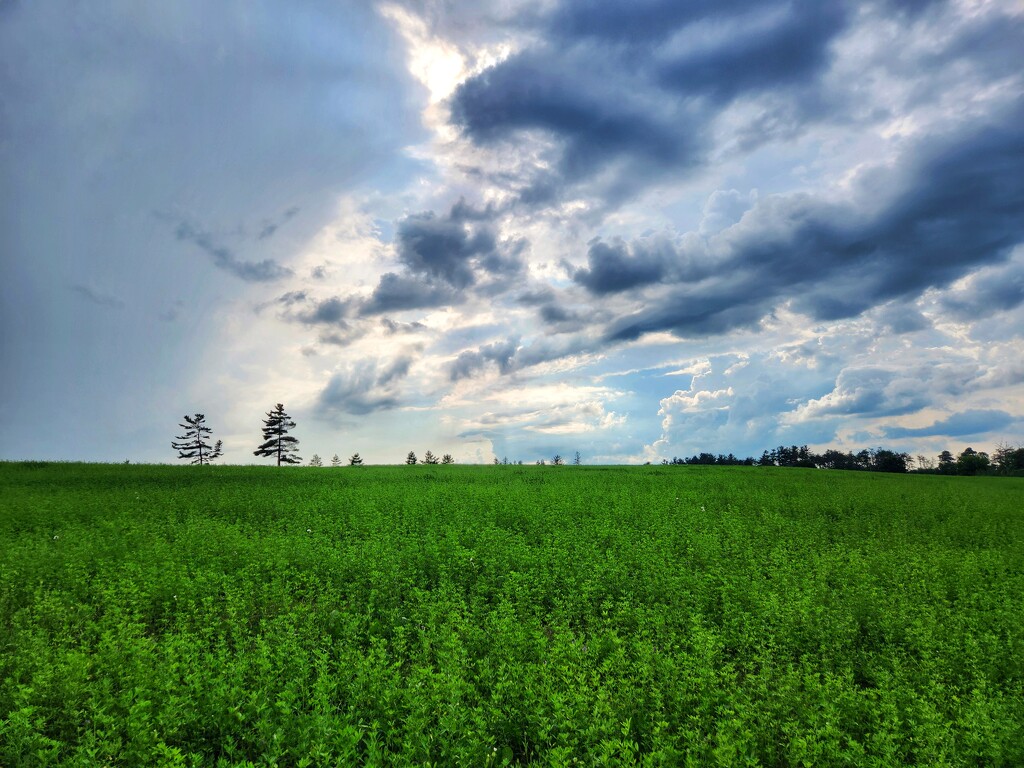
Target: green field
[{"x": 483, "y": 616}]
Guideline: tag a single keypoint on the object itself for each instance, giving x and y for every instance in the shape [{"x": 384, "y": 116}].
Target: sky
[{"x": 511, "y": 228}]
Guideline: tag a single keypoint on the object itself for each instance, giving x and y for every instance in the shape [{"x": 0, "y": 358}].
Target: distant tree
[
  {"x": 447, "y": 459},
  {"x": 706, "y": 459},
  {"x": 541, "y": 462},
  {"x": 411, "y": 458},
  {"x": 1007, "y": 459},
  {"x": 496, "y": 460},
  {"x": 277, "y": 441},
  {"x": 335, "y": 461},
  {"x": 924, "y": 464},
  {"x": 971, "y": 462},
  {"x": 861, "y": 459},
  {"x": 429, "y": 458},
  {"x": 577, "y": 459},
  {"x": 889, "y": 461},
  {"x": 316, "y": 461},
  {"x": 832, "y": 459},
  {"x": 192, "y": 445},
  {"x": 947, "y": 464},
  {"x": 355, "y": 460},
  {"x": 557, "y": 460}
]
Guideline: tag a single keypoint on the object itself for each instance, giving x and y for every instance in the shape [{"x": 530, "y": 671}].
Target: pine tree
[
  {"x": 355, "y": 460},
  {"x": 277, "y": 441},
  {"x": 411, "y": 458},
  {"x": 193, "y": 445},
  {"x": 316, "y": 461},
  {"x": 447, "y": 459},
  {"x": 335, "y": 461},
  {"x": 430, "y": 458},
  {"x": 577, "y": 459}
]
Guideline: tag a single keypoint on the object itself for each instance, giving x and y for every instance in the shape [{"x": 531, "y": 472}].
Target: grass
[{"x": 485, "y": 616}]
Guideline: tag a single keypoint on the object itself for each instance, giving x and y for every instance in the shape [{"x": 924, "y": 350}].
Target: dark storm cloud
[
  {"x": 365, "y": 388},
  {"x": 549, "y": 91},
  {"x": 223, "y": 258},
  {"x": 560, "y": 318},
  {"x": 510, "y": 356},
  {"x": 445, "y": 247},
  {"x": 301, "y": 307},
  {"x": 470, "y": 361},
  {"x": 398, "y": 369},
  {"x": 951, "y": 206},
  {"x": 958, "y": 425},
  {"x": 330, "y": 311},
  {"x": 445, "y": 259},
  {"x": 553, "y": 313},
  {"x": 613, "y": 267},
  {"x": 629, "y": 23},
  {"x": 791, "y": 50},
  {"x": 397, "y": 293},
  {"x": 607, "y": 82},
  {"x": 993, "y": 290},
  {"x": 98, "y": 298},
  {"x": 393, "y": 293}
]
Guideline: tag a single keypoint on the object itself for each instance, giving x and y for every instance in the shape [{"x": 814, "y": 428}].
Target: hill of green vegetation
[{"x": 484, "y": 616}]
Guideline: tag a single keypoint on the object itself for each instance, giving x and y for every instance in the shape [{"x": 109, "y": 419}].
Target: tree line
[{"x": 1006, "y": 460}]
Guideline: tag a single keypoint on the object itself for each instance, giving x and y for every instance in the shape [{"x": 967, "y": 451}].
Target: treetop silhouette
[
  {"x": 277, "y": 441},
  {"x": 192, "y": 445}
]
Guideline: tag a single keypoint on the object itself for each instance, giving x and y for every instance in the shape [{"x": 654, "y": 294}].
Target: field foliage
[{"x": 484, "y": 616}]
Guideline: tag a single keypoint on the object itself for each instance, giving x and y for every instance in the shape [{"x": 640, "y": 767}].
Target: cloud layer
[{"x": 636, "y": 230}]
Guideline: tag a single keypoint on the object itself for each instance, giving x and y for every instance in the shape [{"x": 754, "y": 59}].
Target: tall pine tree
[
  {"x": 277, "y": 441},
  {"x": 192, "y": 444}
]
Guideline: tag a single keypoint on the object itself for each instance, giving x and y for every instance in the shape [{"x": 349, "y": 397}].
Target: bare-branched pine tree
[
  {"x": 277, "y": 441},
  {"x": 193, "y": 445},
  {"x": 335, "y": 461},
  {"x": 447, "y": 459},
  {"x": 430, "y": 458},
  {"x": 411, "y": 458},
  {"x": 557, "y": 460},
  {"x": 316, "y": 461}
]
